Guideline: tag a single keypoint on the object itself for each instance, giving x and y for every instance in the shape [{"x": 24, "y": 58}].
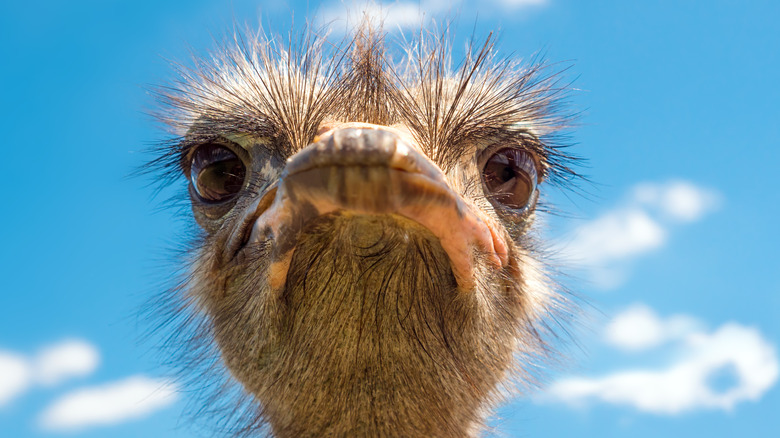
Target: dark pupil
[{"x": 507, "y": 173}]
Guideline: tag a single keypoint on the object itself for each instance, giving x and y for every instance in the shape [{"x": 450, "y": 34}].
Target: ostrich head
[{"x": 365, "y": 263}]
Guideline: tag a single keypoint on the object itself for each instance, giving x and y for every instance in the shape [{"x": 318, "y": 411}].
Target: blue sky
[{"x": 675, "y": 247}]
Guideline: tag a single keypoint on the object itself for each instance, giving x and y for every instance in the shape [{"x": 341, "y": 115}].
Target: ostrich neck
[{"x": 376, "y": 341}]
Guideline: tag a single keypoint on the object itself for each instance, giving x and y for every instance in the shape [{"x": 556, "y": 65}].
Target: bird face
[
  {"x": 366, "y": 265},
  {"x": 363, "y": 169}
]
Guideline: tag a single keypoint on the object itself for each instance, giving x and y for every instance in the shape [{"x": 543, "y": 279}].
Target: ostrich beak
[{"x": 372, "y": 171}]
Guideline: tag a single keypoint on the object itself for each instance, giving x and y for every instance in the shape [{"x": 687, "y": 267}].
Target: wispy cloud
[
  {"x": 616, "y": 235},
  {"x": 112, "y": 403},
  {"x": 15, "y": 376},
  {"x": 679, "y": 201},
  {"x": 640, "y": 328},
  {"x": 715, "y": 370},
  {"x": 406, "y": 14},
  {"x": 606, "y": 246},
  {"x": 400, "y": 14},
  {"x": 517, "y": 4},
  {"x": 51, "y": 366},
  {"x": 72, "y": 358}
]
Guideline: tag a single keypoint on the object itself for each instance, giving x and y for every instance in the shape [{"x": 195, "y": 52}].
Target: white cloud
[
  {"x": 690, "y": 382},
  {"x": 522, "y": 3},
  {"x": 52, "y": 366},
  {"x": 408, "y": 14},
  {"x": 15, "y": 376},
  {"x": 112, "y": 403},
  {"x": 679, "y": 200},
  {"x": 72, "y": 358},
  {"x": 617, "y": 234},
  {"x": 639, "y": 328},
  {"x": 606, "y": 246},
  {"x": 401, "y": 14},
  {"x": 132, "y": 398}
]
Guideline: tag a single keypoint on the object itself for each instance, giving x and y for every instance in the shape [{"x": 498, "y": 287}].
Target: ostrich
[{"x": 364, "y": 262}]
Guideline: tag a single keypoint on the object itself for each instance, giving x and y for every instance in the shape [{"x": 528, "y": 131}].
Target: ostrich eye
[
  {"x": 510, "y": 178},
  {"x": 217, "y": 174}
]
